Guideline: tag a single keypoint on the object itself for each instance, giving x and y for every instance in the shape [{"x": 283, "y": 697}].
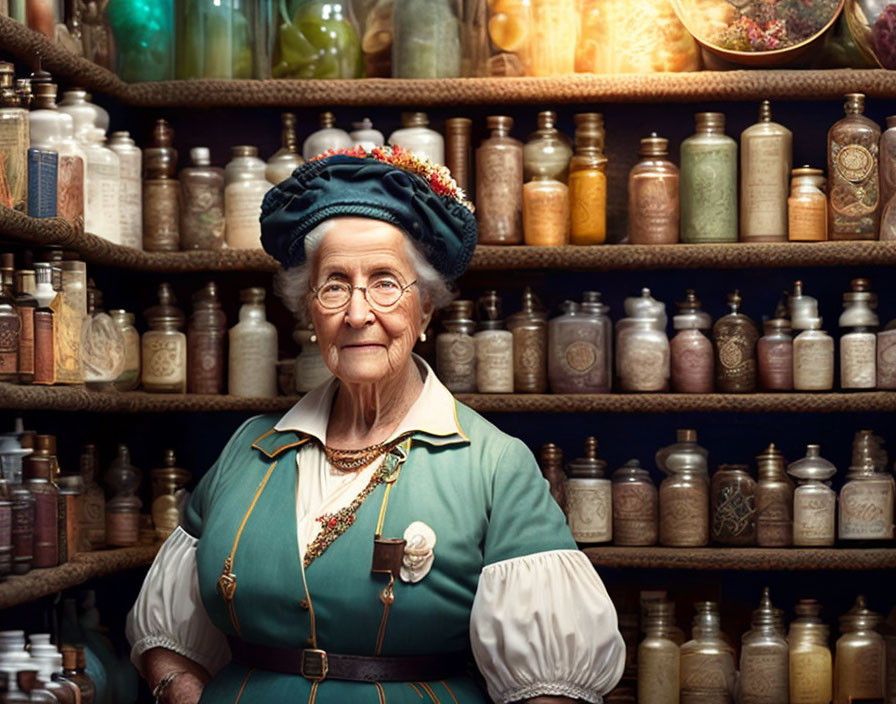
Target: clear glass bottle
[
  {"x": 709, "y": 182},
  {"x": 588, "y": 182},
  {"x": 318, "y": 39},
  {"x": 244, "y": 190},
  {"x": 122, "y": 510},
  {"x": 426, "y": 40},
  {"x": 732, "y": 506},
  {"x": 866, "y": 498},
  {"x": 684, "y": 494},
  {"x": 579, "y": 346},
  {"x": 499, "y": 184},
  {"x": 653, "y": 201},
  {"x": 26, "y": 304},
  {"x": 14, "y": 142},
  {"x": 886, "y": 357},
  {"x": 887, "y": 155},
  {"x": 102, "y": 216},
  {"x": 494, "y": 348},
  {"x": 365, "y": 136},
  {"x": 252, "y": 368},
  {"x": 161, "y": 192},
  {"x": 814, "y": 502},
  {"x": 691, "y": 353},
  {"x": 735, "y": 337},
  {"x": 130, "y": 190},
  {"x": 10, "y": 322},
  {"x": 658, "y": 659},
  {"x": 546, "y": 211},
  {"x": 129, "y": 379},
  {"x": 807, "y": 206},
  {"x": 206, "y": 333},
  {"x": 416, "y": 136},
  {"x": 456, "y": 349},
  {"x": 202, "y": 203},
  {"x": 774, "y": 356},
  {"x": 286, "y": 159},
  {"x": 764, "y": 657},
  {"x": 813, "y": 359},
  {"x": 214, "y": 40},
  {"x": 164, "y": 346},
  {"x": 529, "y": 328},
  {"x": 642, "y": 347},
  {"x": 458, "y": 158},
  {"x": 326, "y": 138},
  {"x": 858, "y": 343},
  {"x": 547, "y": 150},
  {"x": 766, "y": 157},
  {"x": 635, "y": 506},
  {"x": 854, "y": 203},
  {"x": 102, "y": 344},
  {"x": 860, "y": 659},
  {"x": 598, "y": 311},
  {"x": 707, "y": 660},
  {"x": 589, "y": 498},
  {"x": 774, "y": 501},
  {"x": 168, "y": 482}
]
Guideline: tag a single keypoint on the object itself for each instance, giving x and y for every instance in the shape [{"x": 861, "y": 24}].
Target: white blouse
[{"x": 541, "y": 624}]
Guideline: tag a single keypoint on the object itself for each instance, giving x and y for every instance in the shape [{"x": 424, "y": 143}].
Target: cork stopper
[
  {"x": 255, "y": 295},
  {"x": 653, "y": 145},
  {"x": 806, "y": 170},
  {"x": 765, "y": 111},
  {"x": 243, "y": 150},
  {"x": 414, "y": 119},
  {"x": 327, "y": 119},
  {"x": 855, "y": 104},
  {"x": 46, "y": 444},
  {"x": 713, "y": 122},
  {"x": 44, "y": 96},
  {"x": 547, "y": 120},
  {"x": 69, "y": 657},
  {"x": 499, "y": 124}
]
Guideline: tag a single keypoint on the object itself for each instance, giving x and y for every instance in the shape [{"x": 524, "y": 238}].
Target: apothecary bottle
[
  {"x": 129, "y": 378},
  {"x": 92, "y": 529},
  {"x": 813, "y": 358},
  {"x": 811, "y": 664},
  {"x": 814, "y": 502},
  {"x": 860, "y": 658},
  {"x": 635, "y": 506},
  {"x": 774, "y": 501},
  {"x": 546, "y": 156},
  {"x": 858, "y": 342},
  {"x": 579, "y": 347},
  {"x": 653, "y": 201},
  {"x": 807, "y": 206},
  {"x": 168, "y": 482},
  {"x": 691, "y": 353},
  {"x": 732, "y": 504},
  {"x": 71, "y": 496},
  {"x": 642, "y": 347},
  {"x": 311, "y": 370},
  {"x": 164, "y": 346},
  {"x": 202, "y": 203},
  {"x": 456, "y": 349},
  {"x": 707, "y": 660},
  {"x": 286, "y": 159},
  {"x": 101, "y": 209},
  {"x": 326, "y": 138},
  {"x": 774, "y": 356},
  {"x": 161, "y": 192},
  {"x": 886, "y": 357},
  {"x": 206, "y": 333},
  {"x": 102, "y": 344},
  {"x": 252, "y": 368},
  {"x": 10, "y": 322},
  {"x": 684, "y": 494},
  {"x": 38, "y": 480},
  {"x": 416, "y": 136},
  {"x": 426, "y": 39},
  {"x": 588, "y": 182},
  {"x": 494, "y": 348},
  {"x": 854, "y": 184},
  {"x": 144, "y": 40},
  {"x": 529, "y": 328},
  {"x": 130, "y": 189},
  {"x": 364, "y": 135},
  {"x": 866, "y": 499},
  {"x": 766, "y": 155},
  {"x": 550, "y": 461},
  {"x": 589, "y": 498},
  {"x": 244, "y": 190},
  {"x": 735, "y": 337},
  {"x": 764, "y": 657},
  {"x": 658, "y": 659},
  {"x": 14, "y": 142},
  {"x": 499, "y": 184},
  {"x": 708, "y": 191},
  {"x": 458, "y": 158},
  {"x": 26, "y": 305},
  {"x": 887, "y": 156}
]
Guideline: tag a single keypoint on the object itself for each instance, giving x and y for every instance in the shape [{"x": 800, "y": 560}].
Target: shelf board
[
  {"x": 82, "y": 567},
  {"x": 719, "y": 558},
  {"x": 25, "y": 44}
]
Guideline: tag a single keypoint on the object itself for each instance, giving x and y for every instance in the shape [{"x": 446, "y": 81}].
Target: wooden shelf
[
  {"x": 25, "y": 44},
  {"x": 83, "y": 566},
  {"x": 718, "y": 558}
]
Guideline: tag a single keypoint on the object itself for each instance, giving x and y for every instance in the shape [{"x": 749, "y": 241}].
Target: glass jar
[
  {"x": 707, "y": 660},
  {"x": 102, "y": 344},
  {"x": 860, "y": 659},
  {"x": 764, "y": 657},
  {"x": 580, "y": 346},
  {"x": 814, "y": 501},
  {"x": 456, "y": 349},
  {"x": 866, "y": 503},
  {"x": 161, "y": 192},
  {"x": 457, "y": 150},
  {"x": 589, "y": 498},
  {"x": 205, "y": 343},
  {"x": 286, "y": 159},
  {"x": 642, "y": 347},
  {"x": 588, "y": 182},
  {"x": 774, "y": 501},
  {"x": 658, "y": 659},
  {"x": 252, "y": 368},
  {"x": 426, "y": 40},
  {"x": 244, "y": 190},
  {"x": 326, "y": 138},
  {"x": 365, "y": 136},
  {"x": 144, "y": 39},
  {"x": 735, "y": 338},
  {"x": 92, "y": 521},
  {"x": 858, "y": 343},
  {"x": 684, "y": 494},
  {"x": 316, "y": 39},
  {"x": 813, "y": 359},
  {"x": 811, "y": 664},
  {"x": 807, "y": 206},
  {"x": 214, "y": 40},
  {"x": 129, "y": 378},
  {"x": 547, "y": 150},
  {"x": 653, "y": 205},
  {"x": 635, "y": 518},
  {"x": 690, "y": 351},
  {"x": 101, "y": 208},
  {"x": 14, "y": 141},
  {"x": 130, "y": 191},
  {"x": 774, "y": 356},
  {"x": 416, "y": 136},
  {"x": 202, "y": 203},
  {"x": 168, "y": 482},
  {"x": 733, "y": 506},
  {"x": 499, "y": 184},
  {"x": 164, "y": 346},
  {"x": 529, "y": 328},
  {"x": 494, "y": 348}
]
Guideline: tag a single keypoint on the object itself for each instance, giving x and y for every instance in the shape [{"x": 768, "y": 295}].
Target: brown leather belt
[{"x": 318, "y": 664}]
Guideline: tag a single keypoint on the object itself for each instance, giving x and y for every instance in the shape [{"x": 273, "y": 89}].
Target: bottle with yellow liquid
[{"x": 588, "y": 182}]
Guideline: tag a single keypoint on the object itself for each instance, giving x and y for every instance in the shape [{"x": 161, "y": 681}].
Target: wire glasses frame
[{"x": 334, "y": 295}]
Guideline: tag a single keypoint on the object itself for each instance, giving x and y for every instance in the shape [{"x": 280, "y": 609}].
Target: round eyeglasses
[{"x": 382, "y": 295}]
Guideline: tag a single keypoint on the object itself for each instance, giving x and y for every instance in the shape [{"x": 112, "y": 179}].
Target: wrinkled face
[{"x": 359, "y": 343}]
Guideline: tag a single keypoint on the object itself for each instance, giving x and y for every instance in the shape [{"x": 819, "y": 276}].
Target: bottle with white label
[
  {"x": 813, "y": 359},
  {"x": 766, "y": 155},
  {"x": 858, "y": 343},
  {"x": 814, "y": 502},
  {"x": 589, "y": 502},
  {"x": 164, "y": 346},
  {"x": 244, "y": 190},
  {"x": 130, "y": 188},
  {"x": 253, "y": 349},
  {"x": 102, "y": 217},
  {"x": 866, "y": 499},
  {"x": 494, "y": 348},
  {"x": 416, "y": 136}
]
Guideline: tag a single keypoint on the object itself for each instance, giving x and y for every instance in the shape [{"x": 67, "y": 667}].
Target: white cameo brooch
[{"x": 418, "y": 552}]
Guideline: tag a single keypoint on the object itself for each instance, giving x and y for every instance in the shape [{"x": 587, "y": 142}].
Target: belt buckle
[{"x": 314, "y": 664}]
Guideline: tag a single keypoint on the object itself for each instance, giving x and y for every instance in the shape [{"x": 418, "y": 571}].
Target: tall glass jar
[
  {"x": 499, "y": 184},
  {"x": 129, "y": 378},
  {"x": 635, "y": 516},
  {"x": 707, "y": 660},
  {"x": 244, "y": 190},
  {"x": 456, "y": 349},
  {"x": 202, "y": 203},
  {"x": 316, "y": 39},
  {"x": 709, "y": 182},
  {"x": 161, "y": 192},
  {"x": 653, "y": 205},
  {"x": 130, "y": 188},
  {"x": 774, "y": 501},
  {"x": 215, "y": 38},
  {"x": 494, "y": 348},
  {"x": 765, "y": 657},
  {"x": 547, "y": 150},
  {"x": 101, "y": 209},
  {"x": 530, "y": 345},
  {"x": 774, "y": 356},
  {"x": 858, "y": 343},
  {"x": 589, "y": 498},
  {"x": 732, "y": 506},
  {"x": 102, "y": 344},
  {"x": 164, "y": 348},
  {"x": 546, "y": 156},
  {"x": 814, "y": 501},
  {"x": 735, "y": 338},
  {"x": 691, "y": 353},
  {"x": 684, "y": 494},
  {"x": 14, "y": 142},
  {"x": 860, "y": 659},
  {"x": 327, "y": 137},
  {"x": 642, "y": 347},
  {"x": 588, "y": 182},
  {"x": 205, "y": 343},
  {"x": 252, "y": 368},
  {"x": 866, "y": 503},
  {"x": 807, "y": 206},
  {"x": 168, "y": 482},
  {"x": 658, "y": 660},
  {"x": 144, "y": 39},
  {"x": 286, "y": 159},
  {"x": 811, "y": 664},
  {"x": 426, "y": 40}
]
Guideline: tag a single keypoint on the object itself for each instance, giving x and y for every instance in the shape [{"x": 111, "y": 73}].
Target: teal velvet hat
[{"x": 389, "y": 184}]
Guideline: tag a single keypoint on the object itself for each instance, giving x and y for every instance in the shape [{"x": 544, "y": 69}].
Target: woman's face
[{"x": 360, "y": 344}]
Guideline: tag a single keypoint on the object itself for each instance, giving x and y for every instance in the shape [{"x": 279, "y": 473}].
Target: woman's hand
[{"x": 186, "y": 687}]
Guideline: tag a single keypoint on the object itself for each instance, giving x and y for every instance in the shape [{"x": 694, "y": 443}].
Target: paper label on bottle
[
  {"x": 253, "y": 364},
  {"x": 10, "y": 327},
  {"x": 456, "y": 361},
  {"x": 70, "y": 190},
  {"x": 810, "y": 676},
  {"x": 634, "y": 514},
  {"x": 813, "y": 518},
  {"x": 855, "y": 162},
  {"x": 707, "y": 677},
  {"x": 684, "y": 515},
  {"x": 763, "y": 675},
  {"x": 765, "y": 188},
  {"x": 709, "y": 184},
  {"x": 242, "y": 207},
  {"x": 807, "y": 218},
  {"x": 67, "y": 328},
  {"x": 858, "y": 361},
  {"x": 130, "y": 207},
  {"x": 813, "y": 364},
  {"x": 588, "y": 507},
  {"x": 866, "y": 509},
  {"x": 653, "y": 209},
  {"x": 494, "y": 363},
  {"x": 26, "y": 340},
  {"x": 14, "y": 160},
  {"x": 164, "y": 359},
  {"x": 499, "y": 196},
  {"x": 102, "y": 213}
]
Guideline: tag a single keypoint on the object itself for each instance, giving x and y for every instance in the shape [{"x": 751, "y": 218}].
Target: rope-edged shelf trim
[
  {"x": 82, "y": 567},
  {"x": 717, "y": 558},
  {"x": 25, "y": 44}
]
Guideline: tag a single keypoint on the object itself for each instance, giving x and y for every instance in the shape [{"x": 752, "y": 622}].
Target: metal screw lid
[
  {"x": 327, "y": 119},
  {"x": 243, "y": 150},
  {"x": 589, "y": 466},
  {"x": 855, "y": 104},
  {"x": 710, "y": 121},
  {"x": 414, "y": 119},
  {"x": 653, "y": 145},
  {"x": 499, "y": 123},
  {"x": 255, "y": 294}
]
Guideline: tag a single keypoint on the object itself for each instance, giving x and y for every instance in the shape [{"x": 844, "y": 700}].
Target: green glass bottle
[
  {"x": 316, "y": 39},
  {"x": 426, "y": 39}
]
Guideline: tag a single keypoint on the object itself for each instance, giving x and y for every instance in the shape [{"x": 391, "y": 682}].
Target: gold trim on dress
[
  {"x": 380, "y": 692},
  {"x": 429, "y": 691},
  {"x": 277, "y": 450},
  {"x": 445, "y": 685},
  {"x": 243, "y": 686}
]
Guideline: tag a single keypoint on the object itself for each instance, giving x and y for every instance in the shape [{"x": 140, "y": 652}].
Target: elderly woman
[{"x": 356, "y": 549}]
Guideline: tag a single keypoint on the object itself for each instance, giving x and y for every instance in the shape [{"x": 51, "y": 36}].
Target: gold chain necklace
[{"x": 350, "y": 460}]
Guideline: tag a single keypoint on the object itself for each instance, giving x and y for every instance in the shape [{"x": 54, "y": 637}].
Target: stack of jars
[{"x": 43, "y": 672}]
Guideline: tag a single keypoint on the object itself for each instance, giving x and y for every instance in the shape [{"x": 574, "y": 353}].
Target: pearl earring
[
  {"x": 423, "y": 336},
  {"x": 313, "y": 337}
]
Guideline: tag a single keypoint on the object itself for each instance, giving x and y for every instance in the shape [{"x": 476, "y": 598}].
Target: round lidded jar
[
  {"x": 635, "y": 518},
  {"x": 733, "y": 506},
  {"x": 684, "y": 495},
  {"x": 814, "y": 501},
  {"x": 589, "y": 498}
]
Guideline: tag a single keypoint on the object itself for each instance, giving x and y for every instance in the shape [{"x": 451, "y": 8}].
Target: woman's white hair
[{"x": 294, "y": 284}]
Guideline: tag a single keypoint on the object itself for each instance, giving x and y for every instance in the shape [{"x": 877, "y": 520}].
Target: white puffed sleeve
[
  {"x": 169, "y": 612},
  {"x": 543, "y": 625}
]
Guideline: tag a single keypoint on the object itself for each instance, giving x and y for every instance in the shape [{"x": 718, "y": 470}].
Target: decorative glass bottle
[
  {"x": 252, "y": 368},
  {"x": 811, "y": 664},
  {"x": 735, "y": 338},
  {"x": 814, "y": 502},
  {"x": 813, "y": 359},
  {"x": 766, "y": 156},
  {"x": 589, "y": 498},
  {"x": 168, "y": 484},
  {"x": 244, "y": 191},
  {"x": 707, "y": 660},
  {"x": 546, "y": 156},
  {"x": 26, "y": 305},
  {"x": 764, "y": 658},
  {"x": 44, "y": 325},
  {"x": 123, "y": 509},
  {"x": 774, "y": 356},
  {"x": 102, "y": 344},
  {"x": 426, "y": 40},
  {"x": 494, "y": 348},
  {"x": 499, "y": 184},
  {"x": 858, "y": 343},
  {"x": 416, "y": 136},
  {"x": 860, "y": 659},
  {"x": 642, "y": 347},
  {"x": 202, "y": 203},
  {"x": 10, "y": 322},
  {"x": 691, "y": 353},
  {"x": 866, "y": 499},
  {"x": 286, "y": 159},
  {"x": 579, "y": 348},
  {"x": 129, "y": 379},
  {"x": 161, "y": 192},
  {"x": 164, "y": 346},
  {"x": 317, "y": 39},
  {"x": 658, "y": 660},
  {"x": 456, "y": 349},
  {"x": 365, "y": 136},
  {"x": 130, "y": 189},
  {"x": 550, "y": 461},
  {"x": 774, "y": 501},
  {"x": 588, "y": 182},
  {"x": 144, "y": 39},
  {"x": 888, "y": 180},
  {"x": 854, "y": 203},
  {"x": 635, "y": 506},
  {"x": 326, "y": 138},
  {"x": 101, "y": 211},
  {"x": 684, "y": 494},
  {"x": 92, "y": 529},
  {"x": 14, "y": 142},
  {"x": 205, "y": 343},
  {"x": 530, "y": 345},
  {"x": 457, "y": 150},
  {"x": 733, "y": 506},
  {"x": 653, "y": 204},
  {"x": 709, "y": 182},
  {"x": 807, "y": 206}
]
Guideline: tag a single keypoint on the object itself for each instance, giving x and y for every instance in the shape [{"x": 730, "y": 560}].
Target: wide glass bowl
[{"x": 872, "y": 25}]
